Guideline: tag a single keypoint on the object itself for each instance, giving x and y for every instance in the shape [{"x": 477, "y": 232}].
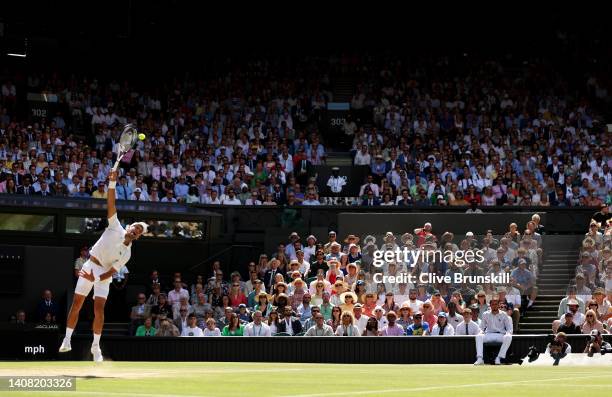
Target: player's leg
[
  {"x": 479, "y": 339},
  {"x": 81, "y": 291},
  {"x": 101, "y": 289},
  {"x": 506, "y": 340}
]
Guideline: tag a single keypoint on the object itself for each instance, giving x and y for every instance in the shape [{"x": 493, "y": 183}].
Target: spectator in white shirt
[
  {"x": 230, "y": 198},
  {"x": 311, "y": 200},
  {"x": 497, "y": 327},
  {"x": 139, "y": 195},
  {"x": 257, "y": 327},
  {"x": 467, "y": 326},
  {"x": 169, "y": 197},
  {"x": 174, "y": 296},
  {"x": 192, "y": 329},
  {"x": 363, "y": 157},
  {"x": 211, "y": 328}
]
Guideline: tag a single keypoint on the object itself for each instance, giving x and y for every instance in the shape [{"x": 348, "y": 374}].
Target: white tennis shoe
[
  {"x": 479, "y": 361},
  {"x": 97, "y": 353},
  {"x": 65, "y": 347}
]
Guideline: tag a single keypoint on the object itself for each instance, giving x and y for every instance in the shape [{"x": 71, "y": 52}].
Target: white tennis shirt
[{"x": 109, "y": 249}]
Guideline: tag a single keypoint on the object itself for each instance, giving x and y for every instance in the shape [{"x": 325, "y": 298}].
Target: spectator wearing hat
[
  {"x": 379, "y": 315},
  {"x": 442, "y": 327},
  {"x": 335, "y": 253},
  {"x": 392, "y": 328},
  {"x": 497, "y": 327},
  {"x": 360, "y": 318},
  {"x": 571, "y": 295},
  {"x": 352, "y": 270},
  {"x": 347, "y": 301},
  {"x": 334, "y": 271},
  {"x": 405, "y": 315},
  {"x": 289, "y": 323},
  {"x": 310, "y": 249},
  {"x": 257, "y": 327},
  {"x": 263, "y": 303},
  {"x": 418, "y": 326},
  {"x": 336, "y": 182},
  {"x": 346, "y": 326}
]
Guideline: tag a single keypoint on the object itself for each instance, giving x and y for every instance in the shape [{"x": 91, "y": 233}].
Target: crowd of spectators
[
  {"x": 318, "y": 288},
  {"x": 588, "y": 304},
  {"x": 435, "y": 132}
]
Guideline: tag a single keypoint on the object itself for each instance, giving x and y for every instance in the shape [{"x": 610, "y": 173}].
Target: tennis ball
[{"x": 141, "y": 136}]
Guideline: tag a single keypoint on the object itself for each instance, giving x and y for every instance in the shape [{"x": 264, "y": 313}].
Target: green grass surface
[{"x": 149, "y": 379}]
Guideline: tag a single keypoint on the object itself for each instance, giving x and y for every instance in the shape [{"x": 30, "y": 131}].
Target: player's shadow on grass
[{"x": 92, "y": 377}]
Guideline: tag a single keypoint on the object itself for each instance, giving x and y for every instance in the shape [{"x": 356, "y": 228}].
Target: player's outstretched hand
[
  {"x": 112, "y": 176},
  {"x": 87, "y": 276}
]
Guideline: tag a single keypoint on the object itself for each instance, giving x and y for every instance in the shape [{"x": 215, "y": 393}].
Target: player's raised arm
[{"x": 110, "y": 200}]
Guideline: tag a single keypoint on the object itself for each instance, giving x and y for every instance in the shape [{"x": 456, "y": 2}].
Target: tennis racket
[{"x": 127, "y": 141}]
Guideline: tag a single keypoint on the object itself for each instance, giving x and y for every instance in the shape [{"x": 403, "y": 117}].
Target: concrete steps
[{"x": 555, "y": 275}]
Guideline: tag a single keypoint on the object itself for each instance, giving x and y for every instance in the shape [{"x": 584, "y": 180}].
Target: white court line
[
  {"x": 104, "y": 393},
  {"x": 351, "y": 393}
]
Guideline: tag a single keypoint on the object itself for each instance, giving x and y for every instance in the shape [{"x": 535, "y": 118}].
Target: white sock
[
  {"x": 69, "y": 332},
  {"x": 96, "y": 340}
]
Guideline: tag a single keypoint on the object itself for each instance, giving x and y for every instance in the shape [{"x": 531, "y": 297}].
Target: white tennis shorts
[{"x": 84, "y": 286}]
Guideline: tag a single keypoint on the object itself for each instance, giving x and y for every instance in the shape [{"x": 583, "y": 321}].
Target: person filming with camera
[
  {"x": 596, "y": 344},
  {"x": 558, "y": 348}
]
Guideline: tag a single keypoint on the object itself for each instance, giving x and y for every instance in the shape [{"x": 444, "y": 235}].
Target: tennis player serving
[{"x": 108, "y": 255}]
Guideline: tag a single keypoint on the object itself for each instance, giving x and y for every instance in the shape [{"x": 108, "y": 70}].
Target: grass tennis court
[{"x": 149, "y": 379}]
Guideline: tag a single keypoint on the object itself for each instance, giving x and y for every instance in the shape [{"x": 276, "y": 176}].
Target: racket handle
[{"x": 117, "y": 163}]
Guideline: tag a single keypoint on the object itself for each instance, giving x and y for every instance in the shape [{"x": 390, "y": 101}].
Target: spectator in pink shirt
[{"x": 392, "y": 328}]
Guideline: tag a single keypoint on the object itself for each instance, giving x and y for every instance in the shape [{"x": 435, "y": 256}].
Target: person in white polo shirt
[
  {"x": 257, "y": 327},
  {"x": 497, "y": 327}
]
